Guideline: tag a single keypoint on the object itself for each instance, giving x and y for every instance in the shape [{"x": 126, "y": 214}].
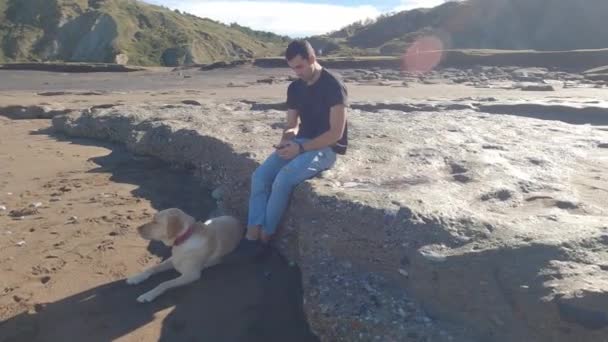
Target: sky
[{"x": 299, "y": 18}]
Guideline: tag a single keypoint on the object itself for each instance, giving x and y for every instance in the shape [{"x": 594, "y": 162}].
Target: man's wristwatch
[{"x": 301, "y": 148}]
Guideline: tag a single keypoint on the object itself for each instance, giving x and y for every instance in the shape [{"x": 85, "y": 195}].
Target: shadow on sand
[{"x": 259, "y": 301}]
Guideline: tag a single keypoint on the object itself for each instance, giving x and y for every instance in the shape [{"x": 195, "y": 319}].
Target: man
[{"x": 315, "y": 132}]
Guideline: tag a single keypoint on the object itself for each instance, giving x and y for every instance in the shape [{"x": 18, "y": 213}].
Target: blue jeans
[{"x": 274, "y": 180}]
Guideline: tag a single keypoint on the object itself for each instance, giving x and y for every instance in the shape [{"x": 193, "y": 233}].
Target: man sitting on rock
[{"x": 315, "y": 132}]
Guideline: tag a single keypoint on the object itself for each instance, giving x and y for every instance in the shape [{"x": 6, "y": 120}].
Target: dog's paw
[
  {"x": 147, "y": 297},
  {"x": 138, "y": 278}
]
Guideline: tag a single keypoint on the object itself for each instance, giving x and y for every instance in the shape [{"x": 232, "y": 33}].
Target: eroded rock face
[
  {"x": 32, "y": 112},
  {"x": 494, "y": 222},
  {"x": 482, "y": 77}
]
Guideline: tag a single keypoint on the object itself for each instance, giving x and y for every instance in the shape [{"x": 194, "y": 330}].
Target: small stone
[
  {"x": 45, "y": 279},
  {"x": 191, "y": 102},
  {"x": 237, "y": 85},
  {"x": 36, "y": 205},
  {"x": 403, "y": 272},
  {"x": 2, "y": 208},
  {"x": 538, "y": 87},
  {"x": 218, "y": 194},
  {"x": 433, "y": 256},
  {"x": 497, "y": 320},
  {"x": 55, "y": 199},
  {"x": 20, "y": 243},
  {"x": 266, "y": 80},
  {"x": 23, "y": 212}
]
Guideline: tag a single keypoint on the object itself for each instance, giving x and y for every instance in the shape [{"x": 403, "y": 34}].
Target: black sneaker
[{"x": 246, "y": 250}]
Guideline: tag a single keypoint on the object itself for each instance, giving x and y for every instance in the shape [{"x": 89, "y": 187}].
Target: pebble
[
  {"x": 432, "y": 255},
  {"x": 218, "y": 194}
]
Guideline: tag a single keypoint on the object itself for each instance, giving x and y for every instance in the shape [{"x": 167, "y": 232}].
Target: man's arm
[
  {"x": 291, "y": 127},
  {"x": 337, "y": 122}
]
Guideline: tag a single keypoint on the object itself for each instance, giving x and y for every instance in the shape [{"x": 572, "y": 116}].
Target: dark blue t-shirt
[{"x": 313, "y": 103}]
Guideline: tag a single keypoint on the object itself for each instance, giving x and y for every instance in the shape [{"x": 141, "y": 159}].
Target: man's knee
[{"x": 283, "y": 181}]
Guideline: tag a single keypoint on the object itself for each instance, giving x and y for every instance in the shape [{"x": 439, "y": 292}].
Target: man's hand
[
  {"x": 281, "y": 144},
  {"x": 289, "y": 150}
]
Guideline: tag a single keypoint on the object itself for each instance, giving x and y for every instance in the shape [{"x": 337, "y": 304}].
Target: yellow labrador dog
[{"x": 195, "y": 246}]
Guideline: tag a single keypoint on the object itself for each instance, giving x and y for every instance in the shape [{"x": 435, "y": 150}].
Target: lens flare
[{"x": 423, "y": 55}]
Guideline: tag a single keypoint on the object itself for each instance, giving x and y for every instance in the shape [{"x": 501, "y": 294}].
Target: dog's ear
[{"x": 174, "y": 226}]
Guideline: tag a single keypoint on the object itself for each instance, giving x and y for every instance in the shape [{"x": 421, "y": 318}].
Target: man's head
[{"x": 301, "y": 59}]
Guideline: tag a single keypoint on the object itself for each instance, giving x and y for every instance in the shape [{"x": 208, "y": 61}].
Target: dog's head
[{"x": 165, "y": 226}]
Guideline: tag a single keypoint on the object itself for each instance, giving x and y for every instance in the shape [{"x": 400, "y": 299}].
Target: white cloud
[
  {"x": 296, "y": 19},
  {"x": 412, "y": 4},
  {"x": 288, "y": 18}
]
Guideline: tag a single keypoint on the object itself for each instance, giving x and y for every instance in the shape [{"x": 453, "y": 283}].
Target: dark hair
[{"x": 299, "y": 47}]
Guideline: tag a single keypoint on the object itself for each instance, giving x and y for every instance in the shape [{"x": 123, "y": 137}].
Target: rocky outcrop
[
  {"x": 225, "y": 64},
  {"x": 70, "y": 67},
  {"x": 535, "y": 62},
  {"x": 32, "y": 112},
  {"x": 494, "y": 223}
]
